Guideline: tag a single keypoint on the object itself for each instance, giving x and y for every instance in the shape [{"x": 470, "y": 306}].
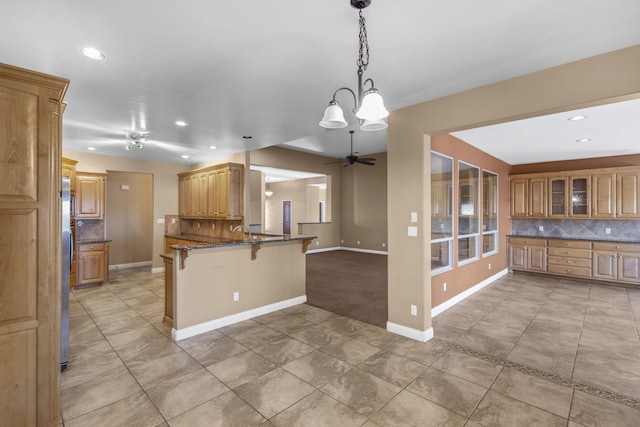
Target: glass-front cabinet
[
  {"x": 569, "y": 196},
  {"x": 579, "y": 196},
  {"x": 441, "y": 213}
]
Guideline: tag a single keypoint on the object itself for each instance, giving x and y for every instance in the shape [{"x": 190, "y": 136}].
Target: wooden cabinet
[
  {"x": 527, "y": 254},
  {"x": 168, "y": 291},
  {"x": 528, "y": 197},
  {"x": 628, "y": 194},
  {"x": 90, "y": 195},
  {"x": 616, "y": 261},
  {"x": 603, "y": 196},
  {"x": 215, "y": 193},
  {"x": 30, "y": 243},
  {"x": 92, "y": 263},
  {"x": 569, "y": 257},
  {"x": 558, "y": 200},
  {"x": 69, "y": 170}
]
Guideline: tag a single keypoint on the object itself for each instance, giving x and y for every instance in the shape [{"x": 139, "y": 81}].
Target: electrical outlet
[
  {"x": 236, "y": 296},
  {"x": 317, "y": 243},
  {"x": 540, "y": 228},
  {"x": 607, "y": 230},
  {"x": 341, "y": 241},
  {"x": 213, "y": 225},
  {"x": 173, "y": 220},
  {"x": 414, "y": 310},
  {"x": 489, "y": 266},
  {"x": 444, "y": 286},
  {"x": 198, "y": 225},
  {"x": 384, "y": 245},
  {"x": 358, "y": 241}
]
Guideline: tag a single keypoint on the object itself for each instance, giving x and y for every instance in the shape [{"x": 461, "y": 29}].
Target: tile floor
[{"x": 524, "y": 351}]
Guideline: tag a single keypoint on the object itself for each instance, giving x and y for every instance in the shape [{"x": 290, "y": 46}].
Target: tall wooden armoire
[{"x": 30, "y": 246}]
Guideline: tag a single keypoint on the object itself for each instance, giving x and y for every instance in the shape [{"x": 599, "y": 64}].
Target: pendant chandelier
[{"x": 369, "y": 106}]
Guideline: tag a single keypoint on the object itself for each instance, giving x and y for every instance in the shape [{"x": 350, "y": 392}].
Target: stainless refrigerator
[{"x": 67, "y": 255}]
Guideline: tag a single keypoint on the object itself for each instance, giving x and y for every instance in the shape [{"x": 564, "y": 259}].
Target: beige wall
[
  {"x": 130, "y": 215},
  {"x": 363, "y": 205},
  {"x": 606, "y": 78},
  {"x": 165, "y": 187}
]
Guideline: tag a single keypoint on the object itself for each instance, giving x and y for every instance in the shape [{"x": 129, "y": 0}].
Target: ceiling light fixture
[
  {"x": 181, "y": 123},
  {"x": 185, "y": 156},
  {"x": 212, "y": 147},
  {"x": 583, "y": 140},
  {"x": 91, "y": 148},
  {"x": 136, "y": 141},
  {"x": 268, "y": 192},
  {"x": 93, "y": 53},
  {"x": 576, "y": 118},
  {"x": 369, "y": 106}
]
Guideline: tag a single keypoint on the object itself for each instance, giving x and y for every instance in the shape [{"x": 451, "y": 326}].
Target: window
[
  {"x": 468, "y": 215},
  {"x": 489, "y": 212},
  {"x": 441, "y": 213}
]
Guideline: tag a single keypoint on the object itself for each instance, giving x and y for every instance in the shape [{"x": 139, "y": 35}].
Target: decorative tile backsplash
[{"x": 620, "y": 230}]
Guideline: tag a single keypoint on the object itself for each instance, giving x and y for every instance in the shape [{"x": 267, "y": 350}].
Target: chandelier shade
[
  {"x": 333, "y": 117},
  {"x": 373, "y": 125},
  {"x": 372, "y": 107}
]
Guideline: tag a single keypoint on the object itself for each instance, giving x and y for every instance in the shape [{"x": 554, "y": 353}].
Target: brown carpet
[{"x": 351, "y": 284}]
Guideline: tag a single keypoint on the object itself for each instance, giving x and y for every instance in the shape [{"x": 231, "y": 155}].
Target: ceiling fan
[{"x": 351, "y": 158}]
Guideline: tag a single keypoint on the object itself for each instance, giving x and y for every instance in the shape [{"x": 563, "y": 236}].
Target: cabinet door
[
  {"x": 605, "y": 265},
  {"x": 212, "y": 201},
  {"x": 235, "y": 194},
  {"x": 184, "y": 196},
  {"x": 90, "y": 268},
  {"x": 558, "y": 189},
  {"x": 538, "y": 197},
  {"x": 518, "y": 200},
  {"x": 627, "y": 194},
  {"x": 603, "y": 200},
  {"x": 537, "y": 258},
  {"x": 629, "y": 267},
  {"x": 89, "y": 197},
  {"x": 221, "y": 193},
  {"x": 199, "y": 194},
  {"x": 517, "y": 257},
  {"x": 579, "y": 196}
]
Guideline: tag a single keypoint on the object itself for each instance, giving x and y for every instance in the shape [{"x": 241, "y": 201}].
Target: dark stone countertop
[
  {"x": 92, "y": 240},
  {"x": 216, "y": 242},
  {"x": 583, "y": 239}
]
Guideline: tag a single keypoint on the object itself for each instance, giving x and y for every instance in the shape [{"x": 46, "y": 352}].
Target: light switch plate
[
  {"x": 414, "y": 216},
  {"x": 412, "y": 231}
]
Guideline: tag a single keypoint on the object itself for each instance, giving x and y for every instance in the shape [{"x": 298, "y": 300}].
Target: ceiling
[{"x": 268, "y": 69}]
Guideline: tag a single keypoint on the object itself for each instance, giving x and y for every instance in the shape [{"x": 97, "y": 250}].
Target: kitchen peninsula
[{"x": 213, "y": 281}]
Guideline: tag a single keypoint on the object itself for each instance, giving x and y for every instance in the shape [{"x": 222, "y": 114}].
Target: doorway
[{"x": 286, "y": 217}]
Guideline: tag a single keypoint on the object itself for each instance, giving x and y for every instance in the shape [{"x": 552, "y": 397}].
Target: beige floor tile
[
  {"x": 350, "y": 350},
  {"x": 407, "y": 409},
  {"x": 274, "y": 392},
  {"x": 393, "y": 368},
  {"x": 376, "y": 336},
  {"x": 422, "y": 352},
  {"x": 166, "y": 368},
  {"x": 344, "y": 325},
  {"x": 544, "y": 354},
  {"x": 593, "y": 411},
  {"x": 98, "y": 366},
  {"x": 181, "y": 394},
  {"x": 283, "y": 350},
  {"x": 361, "y": 391},
  {"x": 534, "y": 391},
  {"x": 467, "y": 367},
  {"x": 223, "y": 411},
  {"x": 485, "y": 344},
  {"x": 255, "y": 336},
  {"x": 241, "y": 368},
  {"x": 144, "y": 351},
  {"x": 288, "y": 324},
  {"x": 200, "y": 339},
  {"x": 318, "y": 409},
  {"x": 135, "y": 410},
  {"x": 215, "y": 351},
  {"x": 317, "y": 336},
  {"x": 135, "y": 336},
  {"x": 448, "y": 391},
  {"x": 317, "y": 368},
  {"x": 503, "y": 411},
  {"x": 84, "y": 398}
]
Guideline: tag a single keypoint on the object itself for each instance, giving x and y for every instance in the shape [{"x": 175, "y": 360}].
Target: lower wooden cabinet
[
  {"x": 616, "y": 261},
  {"x": 92, "y": 263},
  {"x": 168, "y": 291},
  {"x": 569, "y": 257},
  {"x": 527, "y": 254}
]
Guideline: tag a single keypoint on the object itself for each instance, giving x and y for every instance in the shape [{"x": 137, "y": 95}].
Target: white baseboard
[
  {"x": 315, "y": 251},
  {"x": 405, "y": 331},
  {"x": 157, "y": 270},
  {"x": 466, "y": 294},
  {"x": 130, "y": 265},
  {"x": 180, "y": 334}
]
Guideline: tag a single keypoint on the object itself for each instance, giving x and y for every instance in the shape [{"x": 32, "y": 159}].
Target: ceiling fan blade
[
  {"x": 367, "y": 159},
  {"x": 364, "y": 162},
  {"x": 337, "y": 161}
]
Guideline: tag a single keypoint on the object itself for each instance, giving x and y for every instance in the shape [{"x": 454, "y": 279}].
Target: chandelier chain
[{"x": 363, "y": 53}]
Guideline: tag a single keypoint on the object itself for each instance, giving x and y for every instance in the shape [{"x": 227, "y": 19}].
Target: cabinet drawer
[
  {"x": 617, "y": 247},
  {"x": 567, "y": 262},
  {"x": 569, "y": 271},
  {"x": 569, "y": 252},
  {"x": 525, "y": 241},
  {"x": 576, "y": 244},
  {"x": 91, "y": 247}
]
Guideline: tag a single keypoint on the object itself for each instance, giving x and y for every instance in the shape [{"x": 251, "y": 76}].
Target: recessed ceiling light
[
  {"x": 181, "y": 123},
  {"x": 91, "y": 148},
  {"x": 576, "y": 118},
  {"x": 185, "y": 156},
  {"x": 93, "y": 53},
  {"x": 583, "y": 140},
  {"x": 212, "y": 147}
]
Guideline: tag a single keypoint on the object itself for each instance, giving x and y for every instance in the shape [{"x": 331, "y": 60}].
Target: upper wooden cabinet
[
  {"x": 90, "y": 195},
  {"x": 215, "y": 192},
  {"x": 529, "y": 197},
  {"x": 69, "y": 170},
  {"x": 598, "y": 193}
]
